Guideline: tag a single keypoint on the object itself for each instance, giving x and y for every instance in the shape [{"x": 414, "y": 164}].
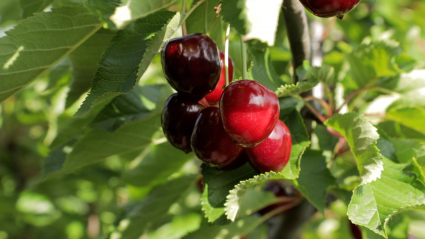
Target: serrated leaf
[
  {"x": 152, "y": 208},
  {"x": 315, "y": 178},
  {"x": 97, "y": 145},
  {"x": 411, "y": 151},
  {"x": 217, "y": 184},
  {"x": 84, "y": 61},
  {"x": 374, "y": 204},
  {"x": 247, "y": 17},
  {"x": 300, "y": 141},
  {"x": 308, "y": 77},
  {"x": 127, "y": 107},
  {"x": 237, "y": 194},
  {"x": 37, "y": 43},
  {"x": 128, "y": 57},
  {"x": 411, "y": 116},
  {"x": 57, "y": 72},
  {"x": 362, "y": 138},
  {"x": 372, "y": 60},
  {"x": 262, "y": 70},
  {"x": 130, "y": 11},
  {"x": 160, "y": 163},
  {"x": 31, "y": 6}
]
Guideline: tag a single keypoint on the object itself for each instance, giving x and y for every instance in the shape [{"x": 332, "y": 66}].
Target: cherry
[
  {"x": 210, "y": 142},
  {"x": 178, "y": 119},
  {"x": 249, "y": 112},
  {"x": 239, "y": 161},
  {"x": 280, "y": 191},
  {"x": 214, "y": 97},
  {"x": 191, "y": 64},
  {"x": 330, "y": 8},
  {"x": 273, "y": 154},
  {"x": 355, "y": 231}
]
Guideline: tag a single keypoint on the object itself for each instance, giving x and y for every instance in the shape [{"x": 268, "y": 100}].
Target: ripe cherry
[
  {"x": 178, "y": 119},
  {"x": 330, "y": 8},
  {"x": 249, "y": 112},
  {"x": 210, "y": 142},
  {"x": 214, "y": 97},
  {"x": 355, "y": 231},
  {"x": 273, "y": 154},
  {"x": 191, "y": 64}
]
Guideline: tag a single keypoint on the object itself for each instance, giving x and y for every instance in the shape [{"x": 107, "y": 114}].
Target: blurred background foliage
[{"x": 89, "y": 202}]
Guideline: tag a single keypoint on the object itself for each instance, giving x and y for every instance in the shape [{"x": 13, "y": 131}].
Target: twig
[
  {"x": 322, "y": 102},
  {"x": 314, "y": 111}
]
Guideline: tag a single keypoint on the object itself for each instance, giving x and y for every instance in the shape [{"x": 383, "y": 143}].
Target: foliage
[{"x": 82, "y": 153}]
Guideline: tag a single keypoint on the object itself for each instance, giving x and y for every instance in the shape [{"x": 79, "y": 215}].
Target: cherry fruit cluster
[{"x": 244, "y": 126}]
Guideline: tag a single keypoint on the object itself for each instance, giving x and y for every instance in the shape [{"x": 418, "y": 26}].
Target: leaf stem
[
  {"x": 226, "y": 55},
  {"x": 314, "y": 111},
  {"x": 322, "y": 102},
  {"x": 244, "y": 68},
  {"x": 187, "y": 14},
  {"x": 355, "y": 93}
]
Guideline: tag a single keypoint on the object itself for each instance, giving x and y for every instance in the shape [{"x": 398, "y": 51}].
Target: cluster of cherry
[{"x": 245, "y": 125}]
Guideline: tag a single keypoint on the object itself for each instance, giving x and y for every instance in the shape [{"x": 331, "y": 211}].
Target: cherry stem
[
  {"x": 206, "y": 17},
  {"x": 322, "y": 102},
  {"x": 226, "y": 55},
  {"x": 379, "y": 115},
  {"x": 333, "y": 132},
  {"x": 243, "y": 51},
  {"x": 183, "y": 17},
  {"x": 314, "y": 111},
  {"x": 352, "y": 95}
]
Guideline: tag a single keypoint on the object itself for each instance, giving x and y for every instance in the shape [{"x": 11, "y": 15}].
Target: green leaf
[
  {"x": 403, "y": 83},
  {"x": 128, "y": 57},
  {"x": 97, "y": 145},
  {"x": 300, "y": 141},
  {"x": 217, "y": 184},
  {"x": 178, "y": 227},
  {"x": 156, "y": 166},
  {"x": 263, "y": 70},
  {"x": 128, "y": 107},
  {"x": 130, "y": 11},
  {"x": 239, "y": 227},
  {"x": 315, "y": 178},
  {"x": 237, "y": 195},
  {"x": 308, "y": 77},
  {"x": 247, "y": 17},
  {"x": 61, "y": 70},
  {"x": 412, "y": 117},
  {"x": 397, "y": 130},
  {"x": 37, "y": 43},
  {"x": 31, "y": 6},
  {"x": 194, "y": 24},
  {"x": 104, "y": 9},
  {"x": 152, "y": 208},
  {"x": 411, "y": 151},
  {"x": 374, "y": 204},
  {"x": 372, "y": 60},
  {"x": 362, "y": 138},
  {"x": 84, "y": 61}
]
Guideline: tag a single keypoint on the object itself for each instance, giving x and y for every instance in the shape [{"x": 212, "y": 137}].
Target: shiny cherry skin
[
  {"x": 330, "y": 8},
  {"x": 191, "y": 64},
  {"x": 273, "y": 154},
  {"x": 249, "y": 112},
  {"x": 210, "y": 142},
  {"x": 214, "y": 97},
  {"x": 241, "y": 160},
  {"x": 178, "y": 119},
  {"x": 279, "y": 189}
]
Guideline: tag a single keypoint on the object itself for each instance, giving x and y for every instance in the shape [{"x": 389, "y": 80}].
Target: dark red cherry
[
  {"x": 241, "y": 160},
  {"x": 355, "y": 231},
  {"x": 214, "y": 97},
  {"x": 280, "y": 190},
  {"x": 273, "y": 154},
  {"x": 210, "y": 142},
  {"x": 330, "y": 8},
  {"x": 249, "y": 112},
  {"x": 191, "y": 64},
  {"x": 178, "y": 119}
]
